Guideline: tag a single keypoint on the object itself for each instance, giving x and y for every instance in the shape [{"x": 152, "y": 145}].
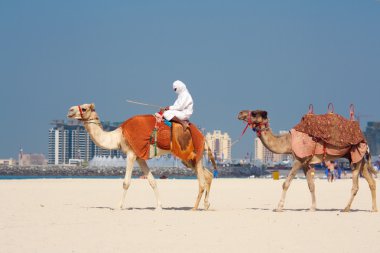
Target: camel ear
[
  {"x": 92, "y": 106},
  {"x": 264, "y": 114}
]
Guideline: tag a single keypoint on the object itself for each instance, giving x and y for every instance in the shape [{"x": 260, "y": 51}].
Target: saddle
[
  {"x": 332, "y": 129},
  {"x": 329, "y": 133},
  {"x": 141, "y": 131}
]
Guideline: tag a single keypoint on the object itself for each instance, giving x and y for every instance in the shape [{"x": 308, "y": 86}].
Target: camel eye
[
  {"x": 84, "y": 109},
  {"x": 253, "y": 114}
]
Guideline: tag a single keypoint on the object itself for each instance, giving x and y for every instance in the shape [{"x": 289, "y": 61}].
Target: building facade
[
  {"x": 70, "y": 140},
  {"x": 8, "y": 162},
  {"x": 372, "y": 134},
  {"x": 25, "y": 159},
  {"x": 220, "y": 144}
]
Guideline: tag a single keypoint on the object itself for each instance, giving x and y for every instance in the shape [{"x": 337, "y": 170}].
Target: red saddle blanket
[
  {"x": 187, "y": 145},
  {"x": 332, "y": 129}
]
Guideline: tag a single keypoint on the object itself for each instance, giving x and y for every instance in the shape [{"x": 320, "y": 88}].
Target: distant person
[
  {"x": 331, "y": 170},
  {"x": 182, "y": 108}
]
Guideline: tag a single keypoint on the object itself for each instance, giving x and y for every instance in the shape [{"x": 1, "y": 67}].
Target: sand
[{"x": 78, "y": 215}]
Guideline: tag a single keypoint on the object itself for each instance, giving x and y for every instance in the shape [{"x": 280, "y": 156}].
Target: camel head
[
  {"x": 253, "y": 117},
  {"x": 81, "y": 112}
]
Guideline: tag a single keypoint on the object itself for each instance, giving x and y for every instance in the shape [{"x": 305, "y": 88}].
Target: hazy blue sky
[{"x": 233, "y": 55}]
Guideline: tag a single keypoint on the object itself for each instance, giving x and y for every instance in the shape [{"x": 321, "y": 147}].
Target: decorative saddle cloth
[
  {"x": 139, "y": 133},
  {"x": 332, "y": 129}
]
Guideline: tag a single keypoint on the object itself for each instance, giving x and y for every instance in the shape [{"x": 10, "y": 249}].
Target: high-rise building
[
  {"x": 71, "y": 141},
  {"x": 220, "y": 144},
  {"x": 262, "y": 153},
  {"x": 372, "y": 134}
]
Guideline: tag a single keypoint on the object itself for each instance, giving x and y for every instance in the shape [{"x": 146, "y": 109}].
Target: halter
[
  {"x": 256, "y": 127},
  {"x": 81, "y": 112},
  {"x": 89, "y": 121}
]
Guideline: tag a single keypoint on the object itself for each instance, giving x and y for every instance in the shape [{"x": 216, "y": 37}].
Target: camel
[
  {"x": 259, "y": 122},
  {"x": 115, "y": 140}
]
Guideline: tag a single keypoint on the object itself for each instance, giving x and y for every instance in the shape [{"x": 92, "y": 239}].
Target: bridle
[
  {"x": 88, "y": 121},
  {"x": 256, "y": 127}
]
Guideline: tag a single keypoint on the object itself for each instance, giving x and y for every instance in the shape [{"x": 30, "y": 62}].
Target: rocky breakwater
[{"x": 81, "y": 171}]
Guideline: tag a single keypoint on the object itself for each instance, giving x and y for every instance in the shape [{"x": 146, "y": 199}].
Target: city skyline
[{"x": 279, "y": 56}]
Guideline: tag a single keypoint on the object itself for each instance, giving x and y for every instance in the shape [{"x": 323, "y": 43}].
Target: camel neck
[
  {"x": 103, "y": 139},
  {"x": 277, "y": 144}
]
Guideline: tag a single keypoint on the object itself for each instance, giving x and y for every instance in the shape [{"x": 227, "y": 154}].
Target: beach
[{"x": 80, "y": 215}]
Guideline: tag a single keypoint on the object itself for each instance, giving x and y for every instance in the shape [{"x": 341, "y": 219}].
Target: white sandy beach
[{"x": 77, "y": 215}]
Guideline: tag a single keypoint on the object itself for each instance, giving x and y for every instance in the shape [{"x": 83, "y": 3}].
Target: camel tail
[{"x": 210, "y": 156}]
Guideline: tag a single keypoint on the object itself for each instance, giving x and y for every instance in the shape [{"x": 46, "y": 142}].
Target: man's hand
[{"x": 162, "y": 109}]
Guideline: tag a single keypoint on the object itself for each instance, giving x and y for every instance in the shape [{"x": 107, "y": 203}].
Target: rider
[{"x": 182, "y": 108}]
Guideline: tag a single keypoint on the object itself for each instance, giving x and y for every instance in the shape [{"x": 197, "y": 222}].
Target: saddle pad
[
  {"x": 187, "y": 145},
  {"x": 137, "y": 131},
  {"x": 303, "y": 145},
  {"x": 332, "y": 129}
]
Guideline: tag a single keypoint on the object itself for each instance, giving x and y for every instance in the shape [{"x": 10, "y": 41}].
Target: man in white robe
[{"x": 182, "y": 108}]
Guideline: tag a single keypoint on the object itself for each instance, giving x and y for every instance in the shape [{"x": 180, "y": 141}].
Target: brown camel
[
  {"x": 259, "y": 122},
  {"x": 115, "y": 140}
]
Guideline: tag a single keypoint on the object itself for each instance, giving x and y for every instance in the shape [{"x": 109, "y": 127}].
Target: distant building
[
  {"x": 372, "y": 134},
  {"x": 220, "y": 144},
  {"x": 25, "y": 159},
  {"x": 9, "y": 162},
  {"x": 265, "y": 156},
  {"x": 262, "y": 153},
  {"x": 71, "y": 141}
]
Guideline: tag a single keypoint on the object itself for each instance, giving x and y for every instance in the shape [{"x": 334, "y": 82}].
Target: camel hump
[{"x": 331, "y": 128}]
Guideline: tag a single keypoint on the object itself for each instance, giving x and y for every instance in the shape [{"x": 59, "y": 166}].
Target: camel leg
[
  {"x": 310, "y": 183},
  {"x": 372, "y": 186},
  {"x": 144, "y": 167},
  {"x": 202, "y": 183},
  {"x": 285, "y": 186},
  {"x": 131, "y": 158},
  {"x": 355, "y": 185},
  {"x": 208, "y": 178}
]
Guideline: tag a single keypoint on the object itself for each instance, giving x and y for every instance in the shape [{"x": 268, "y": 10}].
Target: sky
[{"x": 275, "y": 55}]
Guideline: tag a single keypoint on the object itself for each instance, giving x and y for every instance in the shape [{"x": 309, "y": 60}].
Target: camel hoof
[
  {"x": 158, "y": 209},
  {"x": 312, "y": 209},
  {"x": 278, "y": 210},
  {"x": 207, "y": 205},
  {"x": 374, "y": 210},
  {"x": 345, "y": 210},
  {"x": 194, "y": 209}
]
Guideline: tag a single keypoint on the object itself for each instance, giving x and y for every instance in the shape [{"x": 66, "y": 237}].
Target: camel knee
[
  {"x": 285, "y": 186},
  {"x": 126, "y": 185},
  {"x": 312, "y": 188},
  {"x": 152, "y": 183},
  {"x": 355, "y": 190},
  {"x": 372, "y": 186}
]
